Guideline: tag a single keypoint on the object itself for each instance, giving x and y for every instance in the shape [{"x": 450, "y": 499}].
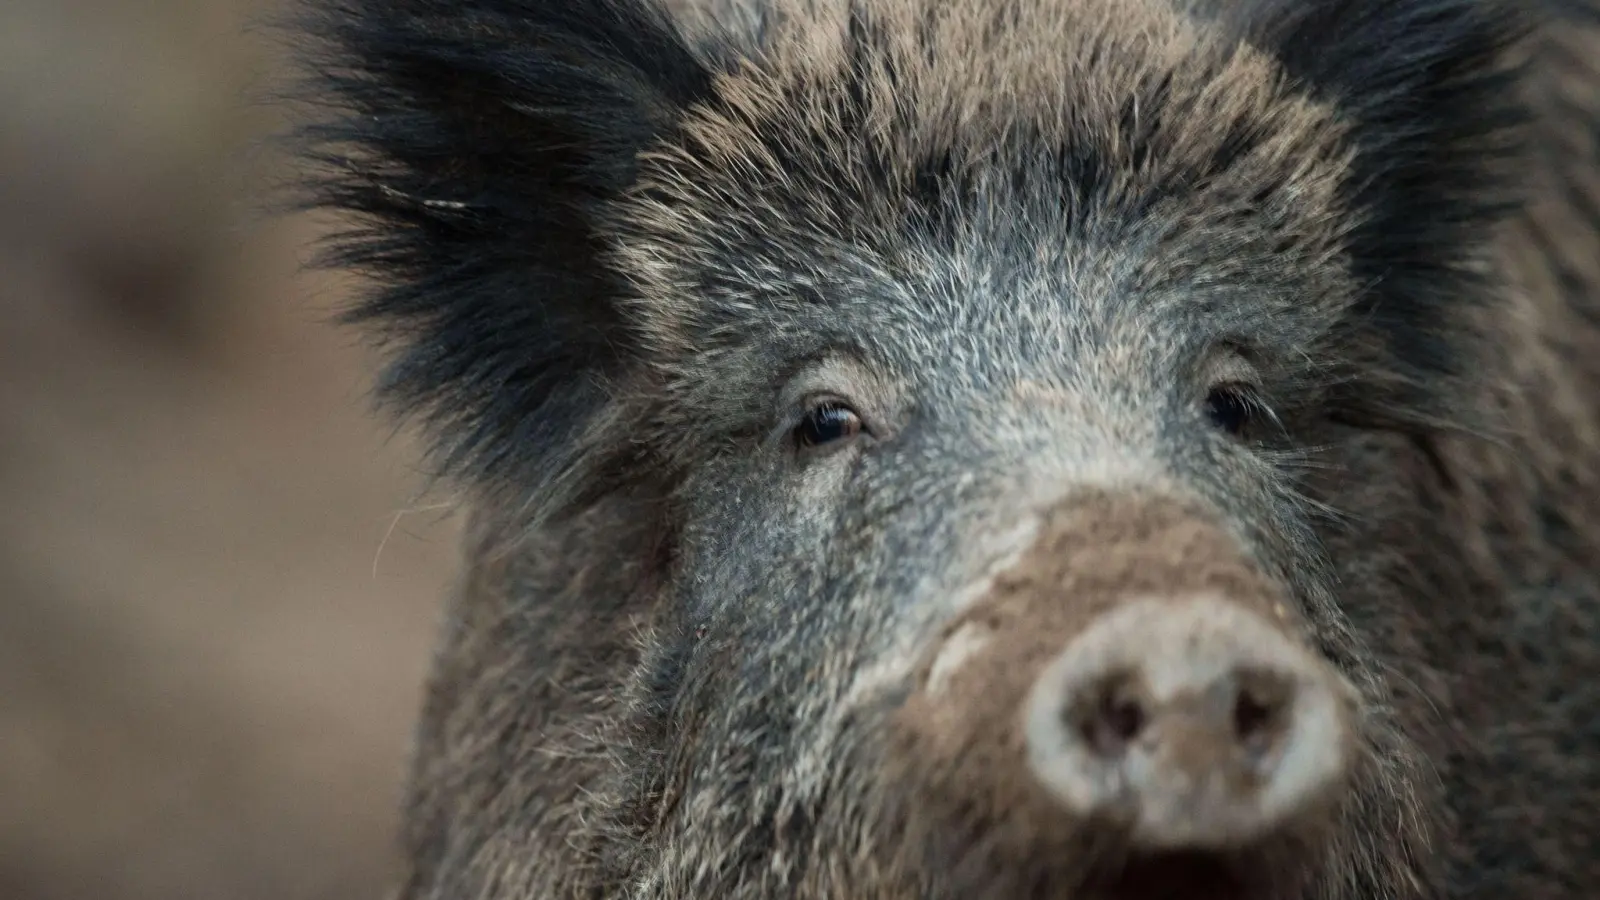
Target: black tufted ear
[
  {"x": 1436, "y": 117},
  {"x": 475, "y": 142}
]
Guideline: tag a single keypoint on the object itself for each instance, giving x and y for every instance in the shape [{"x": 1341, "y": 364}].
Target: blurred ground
[{"x": 207, "y": 670}]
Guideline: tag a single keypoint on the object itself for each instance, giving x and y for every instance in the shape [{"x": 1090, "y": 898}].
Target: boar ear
[
  {"x": 1431, "y": 96},
  {"x": 475, "y": 144}
]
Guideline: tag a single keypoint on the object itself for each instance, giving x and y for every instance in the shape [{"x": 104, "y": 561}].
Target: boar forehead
[
  {"x": 959, "y": 183},
  {"x": 1027, "y": 237}
]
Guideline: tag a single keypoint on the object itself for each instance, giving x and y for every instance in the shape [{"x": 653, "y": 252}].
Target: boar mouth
[
  {"x": 1175, "y": 875},
  {"x": 1178, "y": 875},
  {"x": 1112, "y": 871}
]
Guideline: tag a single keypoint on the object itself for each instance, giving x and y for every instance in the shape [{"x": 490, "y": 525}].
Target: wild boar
[{"x": 926, "y": 449}]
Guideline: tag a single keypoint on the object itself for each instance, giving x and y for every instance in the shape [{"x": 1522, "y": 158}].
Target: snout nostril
[
  {"x": 1111, "y": 716},
  {"x": 1124, "y": 718},
  {"x": 1250, "y": 716},
  {"x": 1259, "y": 708}
]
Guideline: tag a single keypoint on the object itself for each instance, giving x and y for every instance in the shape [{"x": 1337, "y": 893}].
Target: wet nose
[{"x": 1193, "y": 722}]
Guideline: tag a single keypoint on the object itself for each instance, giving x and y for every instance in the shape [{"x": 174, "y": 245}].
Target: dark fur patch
[
  {"x": 474, "y": 143},
  {"x": 1431, "y": 91}
]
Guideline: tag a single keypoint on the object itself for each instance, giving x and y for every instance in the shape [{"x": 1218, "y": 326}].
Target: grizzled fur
[{"x": 623, "y": 248}]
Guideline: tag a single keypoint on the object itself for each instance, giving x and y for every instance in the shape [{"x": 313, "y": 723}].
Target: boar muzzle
[{"x": 1133, "y": 686}]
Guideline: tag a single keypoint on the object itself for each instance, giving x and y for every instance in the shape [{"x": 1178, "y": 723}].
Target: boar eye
[
  {"x": 827, "y": 422},
  {"x": 1230, "y": 407}
]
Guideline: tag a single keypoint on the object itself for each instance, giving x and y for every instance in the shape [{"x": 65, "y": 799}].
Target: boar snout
[
  {"x": 1196, "y": 723},
  {"x": 1131, "y": 686}
]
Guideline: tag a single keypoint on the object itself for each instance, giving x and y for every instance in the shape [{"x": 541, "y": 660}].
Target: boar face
[{"x": 976, "y": 370}]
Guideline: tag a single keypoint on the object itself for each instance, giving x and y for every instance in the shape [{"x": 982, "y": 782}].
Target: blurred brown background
[{"x": 208, "y": 671}]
